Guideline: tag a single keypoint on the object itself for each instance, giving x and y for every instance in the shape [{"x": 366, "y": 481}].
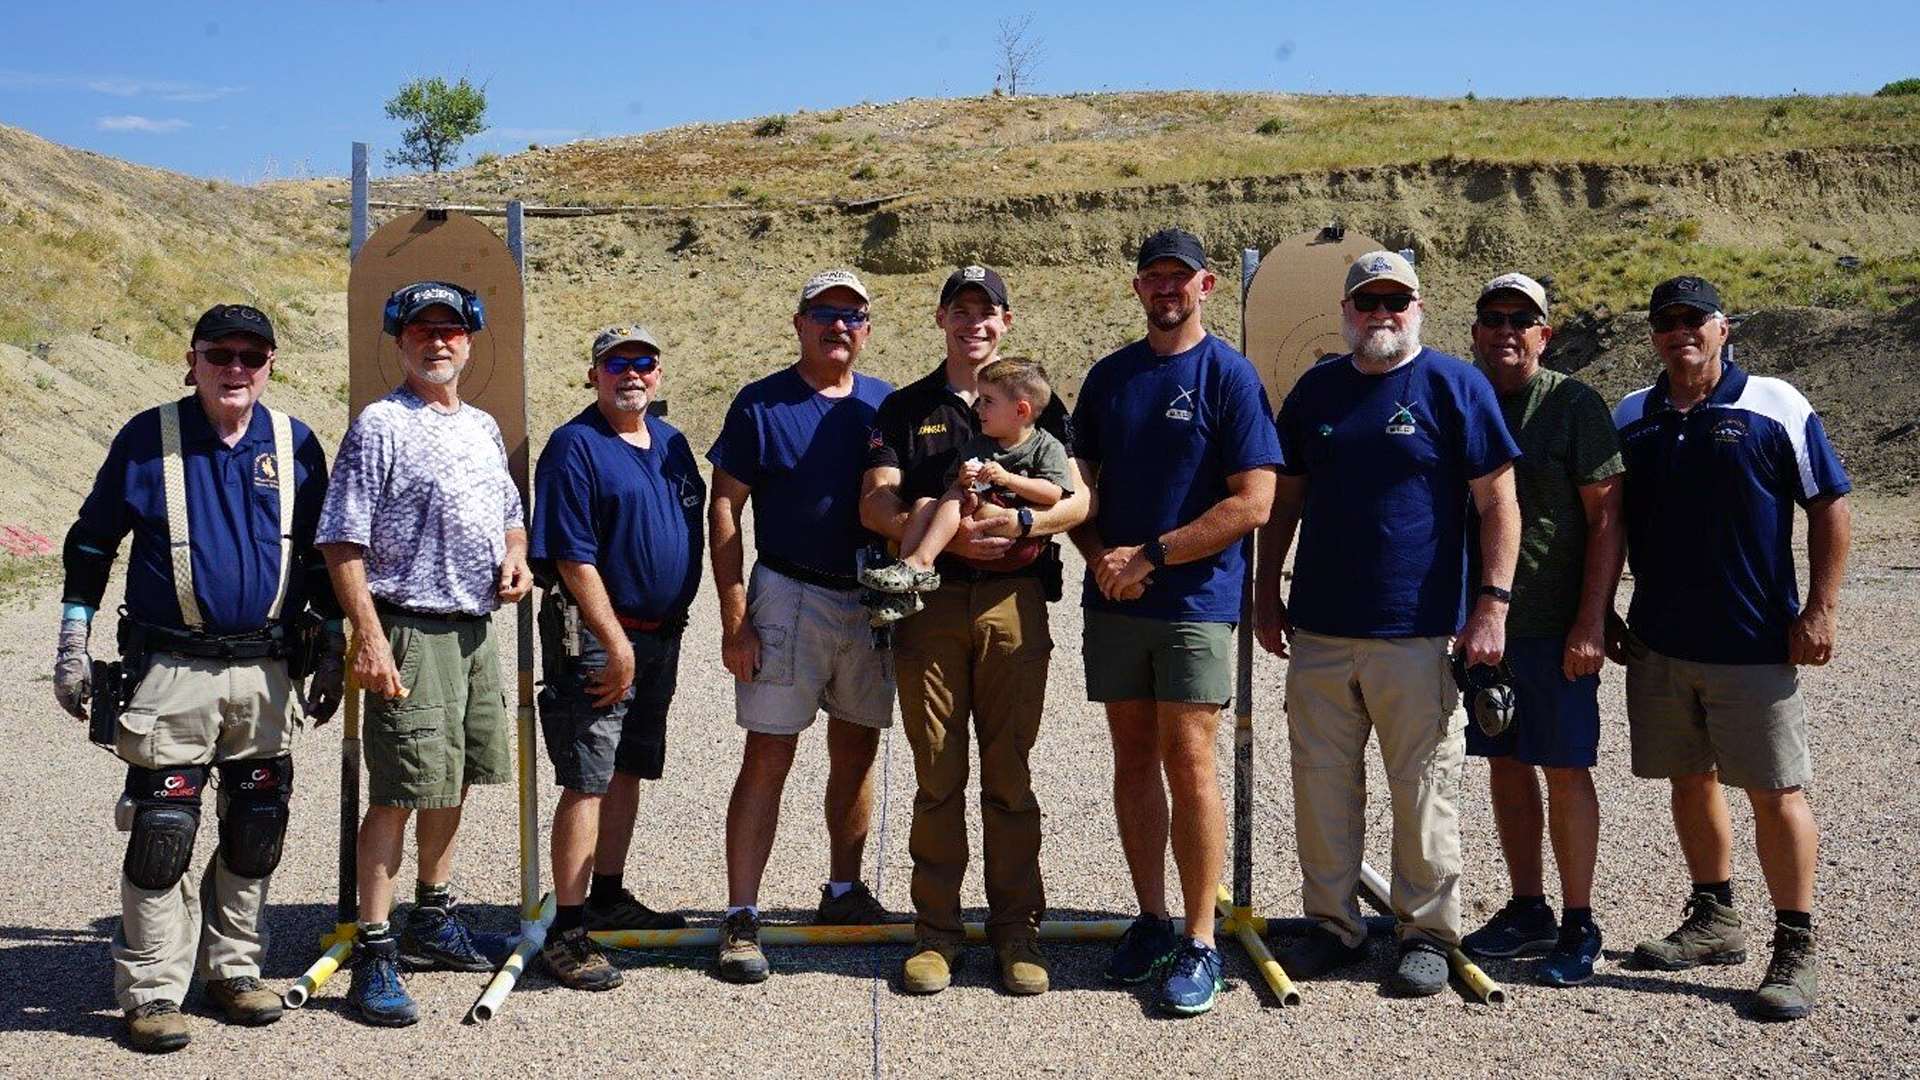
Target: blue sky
[{"x": 259, "y": 90}]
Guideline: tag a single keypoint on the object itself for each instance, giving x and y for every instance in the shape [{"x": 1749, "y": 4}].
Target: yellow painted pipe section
[
  {"x": 532, "y": 936},
  {"x": 316, "y": 976},
  {"x": 1476, "y": 980},
  {"x": 1246, "y": 929}
]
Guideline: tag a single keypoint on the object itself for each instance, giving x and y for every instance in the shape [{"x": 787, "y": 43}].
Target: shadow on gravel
[{"x": 59, "y": 980}]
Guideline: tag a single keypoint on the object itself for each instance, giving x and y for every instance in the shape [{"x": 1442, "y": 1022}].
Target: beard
[
  {"x": 1170, "y": 318},
  {"x": 630, "y": 401},
  {"x": 1382, "y": 345},
  {"x": 441, "y": 376}
]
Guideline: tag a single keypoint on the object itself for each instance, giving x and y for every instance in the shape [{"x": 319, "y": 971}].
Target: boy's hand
[
  {"x": 994, "y": 473},
  {"x": 970, "y": 471}
]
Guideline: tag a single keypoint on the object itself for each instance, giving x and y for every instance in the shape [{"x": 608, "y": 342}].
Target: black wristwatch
[
  {"x": 1498, "y": 593},
  {"x": 1025, "y": 516},
  {"x": 1156, "y": 553}
]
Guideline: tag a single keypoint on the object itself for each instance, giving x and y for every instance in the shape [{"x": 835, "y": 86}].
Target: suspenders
[{"x": 179, "y": 529}]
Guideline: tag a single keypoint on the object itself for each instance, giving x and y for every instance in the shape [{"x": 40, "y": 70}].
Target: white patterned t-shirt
[{"x": 428, "y": 496}]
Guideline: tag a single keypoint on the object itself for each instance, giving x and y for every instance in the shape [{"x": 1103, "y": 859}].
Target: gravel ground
[{"x": 835, "y": 1011}]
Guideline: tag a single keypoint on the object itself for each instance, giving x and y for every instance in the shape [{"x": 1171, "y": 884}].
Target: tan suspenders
[{"x": 180, "y": 531}]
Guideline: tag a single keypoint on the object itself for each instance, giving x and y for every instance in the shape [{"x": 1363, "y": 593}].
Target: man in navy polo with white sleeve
[
  {"x": 1716, "y": 461},
  {"x": 618, "y": 524}
]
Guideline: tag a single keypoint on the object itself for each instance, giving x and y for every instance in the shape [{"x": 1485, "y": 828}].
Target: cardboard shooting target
[
  {"x": 1293, "y": 306},
  {"x": 443, "y": 246}
]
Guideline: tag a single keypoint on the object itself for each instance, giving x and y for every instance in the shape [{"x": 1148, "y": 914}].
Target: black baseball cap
[
  {"x": 223, "y": 319},
  {"x": 980, "y": 277},
  {"x": 1172, "y": 244},
  {"x": 1688, "y": 290}
]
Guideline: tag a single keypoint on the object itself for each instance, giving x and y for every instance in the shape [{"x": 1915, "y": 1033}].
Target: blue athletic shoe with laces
[
  {"x": 1571, "y": 961},
  {"x": 376, "y": 992},
  {"x": 437, "y": 940},
  {"x": 1193, "y": 980},
  {"x": 1143, "y": 948}
]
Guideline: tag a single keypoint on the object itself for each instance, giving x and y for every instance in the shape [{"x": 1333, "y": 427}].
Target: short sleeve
[
  {"x": 1085, "y": 426},
  {"x": 1050, "y": 463},
  {"x": 516, "y": 515},
  {"x": 563, "y": 505},
  {"x": 1596, "y": 442},
  {"x": 737, "y": 450},
  {"x": 353, "y": 492},
  {"x": 1293, "y": 455},
  {"x": 887, "y": 448},
  {"x": 1484, "y": 436},
  {"x": 1822, "y": 476},
  {"x": 1249, "y": 438}
]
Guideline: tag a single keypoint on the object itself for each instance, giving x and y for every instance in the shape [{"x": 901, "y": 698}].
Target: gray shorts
[
  {"x": 816, "y": 652},
  {"x": 1745, "y": 720},
  {"x": 1133, "y": 658},
  {"x": 587, "y": 743}
]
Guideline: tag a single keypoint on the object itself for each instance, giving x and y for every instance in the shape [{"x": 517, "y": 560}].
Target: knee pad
[
  {"x": 253, "y": 822},
  {"x": 166, "y": 816}
]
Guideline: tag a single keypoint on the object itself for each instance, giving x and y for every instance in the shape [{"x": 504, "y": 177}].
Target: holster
[
  {"x": 559, "y": 627},
  {"x": 306, "y": 643},
  {"x": 113, "y": 685},
  {"x": 1051, "y": 571}
]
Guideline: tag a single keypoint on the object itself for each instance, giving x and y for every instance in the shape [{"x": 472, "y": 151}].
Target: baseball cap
[
  {"x": 832, "y": 279},
  {"x": 620, "y": 334},
  {"x": 408, "y": 301},
  {"x": 1172, "y": 244},
  {"x": 980, "y": 277},
  {"x": 1689, "y": 290},
  {"x": 223, "y": 319},
  {"x": 1381, "y": 266},
  {"x": 1531, "y": 290}
]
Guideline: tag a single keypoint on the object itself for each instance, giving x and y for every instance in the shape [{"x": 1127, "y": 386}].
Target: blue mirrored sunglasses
[
  {"x": 619, "y": 365},
  {"x": 827, "y": 316}
]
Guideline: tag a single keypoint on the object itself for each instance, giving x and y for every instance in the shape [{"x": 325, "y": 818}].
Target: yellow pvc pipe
[
  {"x": 532, "y": 935},
  {"x": 340, "y": 945},
  {"x": 1246, "y": 929},
  {"x": 1476, "y": 980}
]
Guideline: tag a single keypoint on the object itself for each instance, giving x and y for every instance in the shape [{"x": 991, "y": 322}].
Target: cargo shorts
[
  {"x": 451, "y": 728},
  {"x": 816, "y": 653}
]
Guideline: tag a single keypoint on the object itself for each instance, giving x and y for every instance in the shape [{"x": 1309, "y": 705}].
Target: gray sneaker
[
  {"x": 1710, "y": 934},
  {"x": 1422, "y": 971},
  {"x": 1792, "y": 982}
]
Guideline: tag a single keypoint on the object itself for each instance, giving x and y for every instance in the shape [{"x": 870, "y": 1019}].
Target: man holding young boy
[{"x": 980, "y": 648}]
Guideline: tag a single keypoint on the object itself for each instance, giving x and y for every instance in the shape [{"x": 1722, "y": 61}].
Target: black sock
[
  {"x": 1577, "y": 916},
  {"x": 1721, "y": 891},
  {"x": 434, "y": 896},
  {"x": 1799, "y": 920},
  {"x": 566, "y": 917},
  {"x": 606, "y": 889}
]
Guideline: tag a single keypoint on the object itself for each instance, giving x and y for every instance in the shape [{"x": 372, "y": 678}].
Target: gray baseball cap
[
  {"x": 832, "y": 279},
  {"x": 620, "y": 334},
  {"x": 1380, "y": 266},
  {"x": 1532, "y": 291}
]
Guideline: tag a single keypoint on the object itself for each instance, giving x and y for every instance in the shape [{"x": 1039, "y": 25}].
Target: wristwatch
[
  {"x": 1025, "y": 516},
  {"x": 1156, "y": 553},
  {"x": 1498, "y": 593}
]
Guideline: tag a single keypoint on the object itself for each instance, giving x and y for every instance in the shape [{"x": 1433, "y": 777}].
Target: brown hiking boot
[
  {"x": 157, "y": 1027},
  {"x": 930, "y": 969},
  {"x": 1023, "y": 968},
  {"x": 245, "y": 1000},
  {"x": 576, "y": 963},
  {"x": 1710, "y": 934},
  {"x": 741, "y": 960},
  {"x": 1792, "y": 982},
  {"x": 855, "y": 907}
]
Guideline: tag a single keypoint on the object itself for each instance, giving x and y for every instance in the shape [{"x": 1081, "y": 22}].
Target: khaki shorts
[
  {"x": 1746, "y": 721},
  {"x": 816, "y": 652},
  {"x": 1131, "y": 658},
  {"x": 451, "y": 728}
]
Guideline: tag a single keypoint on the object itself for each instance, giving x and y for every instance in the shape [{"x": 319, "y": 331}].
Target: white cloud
[
  {"x": 145, "y": 125},
  {"x": 118, "y": 86}
]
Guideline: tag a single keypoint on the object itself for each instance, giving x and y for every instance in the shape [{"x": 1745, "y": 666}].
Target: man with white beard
[{"x": 1382, "y": 447}]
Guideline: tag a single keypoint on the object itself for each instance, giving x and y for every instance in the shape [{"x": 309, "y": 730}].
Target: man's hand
[
  {"x": 1484, "y": 639},
  {"x": 73, "y": 668},
  {"x": 609, "y": 684},
  {"x": 980, "y": 536},
  {"x": 516, "y": 580},
  {"x": 739, "y": 651},
  {"x": 1810, "y": 640},
  {"x": 1586, "y": 650},
  {"x": 373, "y": 667},
  {"x": 1616, "y": 638},
  {"x": 1122, "y": 572},
  {"x": 1271, "y": 626},
  {"x": 328, "y": 683}
]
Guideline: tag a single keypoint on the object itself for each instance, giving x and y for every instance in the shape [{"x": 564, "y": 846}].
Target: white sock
[
  {"x": 747, "y": 907},
  {"x": 838, "y": 889}
]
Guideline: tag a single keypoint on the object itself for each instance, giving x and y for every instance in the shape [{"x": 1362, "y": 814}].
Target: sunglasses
[
  {"x": 827, "y": 316},
  {"x": 425, "y": 331},
  {"x": 1394, "y": 302},
  {"x": 254, "y": 359},
  {"x": 1691, "y": 318},
  {"x": 1520, "y": 321},
  {"x": 620, "y": 365}
]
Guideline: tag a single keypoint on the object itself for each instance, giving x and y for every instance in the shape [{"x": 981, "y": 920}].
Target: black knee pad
[
  {"x": 254, "y": 820},
  {"x": 166, "y": 816}
]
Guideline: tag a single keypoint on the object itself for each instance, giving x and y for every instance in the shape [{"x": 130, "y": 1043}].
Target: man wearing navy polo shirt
[
  {"x": 221, "y": 495},
  {"x": 796, "y": 637},
  {"x": 1382, "y": 447},
  {"x": 617, "y": 520},
  {"x": 1716, "y": 461},
  {"x": 1173, "y": 433}
]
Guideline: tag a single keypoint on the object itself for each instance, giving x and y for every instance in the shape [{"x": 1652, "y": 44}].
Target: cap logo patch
[
  {"x": 974, "y": 273},
  {"x": 1379, "y": 265}
]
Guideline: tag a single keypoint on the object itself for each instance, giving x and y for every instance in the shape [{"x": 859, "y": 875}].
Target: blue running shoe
[
  {"x": 1143, "y": 948},
  {"x": 1522, "y": 928},
  {"x": 1571, "y": 961},
  {"x": 437, "y": 940},
  {"x": 377, "y": 993},
  {"x": 1193, "y": 980}
]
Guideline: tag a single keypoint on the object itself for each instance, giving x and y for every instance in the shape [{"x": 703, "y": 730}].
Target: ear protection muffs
[
  {"x": 1488, "y": 692},
  {"x": 472, "y": 311}
]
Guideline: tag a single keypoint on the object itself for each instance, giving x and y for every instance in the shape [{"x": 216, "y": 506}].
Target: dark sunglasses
[
  {"x": 827, "y": 316},
  {"x": 1394, "y": 302},
  {"x": 254, "y": 359},
  {"x": 620, "y": 365},
  {"x": 1692, "y": 318},
  {"x": 1520, "y": 321}
]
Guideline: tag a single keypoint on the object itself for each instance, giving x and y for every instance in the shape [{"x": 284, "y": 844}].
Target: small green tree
[
  {"x": 1899, "y": 88},
  {"x": 439, "y": 118}
]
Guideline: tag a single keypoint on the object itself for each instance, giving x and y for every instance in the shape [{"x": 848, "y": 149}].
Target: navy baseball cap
[
  {"x": 223, "y": 319},
  {"x": 979, "y": 277},
  {"x": 1172, "y": 244},
  {"x": 1688, "y": 290},
  {"x": 408, "y": 301}
]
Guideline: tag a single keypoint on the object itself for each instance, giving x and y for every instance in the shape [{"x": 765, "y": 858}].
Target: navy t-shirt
[
  {"x": 1710, "y": 494},
  {"x": 802, "y": 454},
  {"x": 233, "y": 514},
  {"x": 1383, "y": 537},
  {"x": 636, "y": 515},
  {"x": 1166, "y": 432}
]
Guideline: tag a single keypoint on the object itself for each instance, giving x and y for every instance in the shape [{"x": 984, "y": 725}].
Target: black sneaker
[
  {"x": 855, "y": 907},
  {"x": 1571, "y": 961},
  {"x": 628, "y": 913},
  {"x": 1522, "y": 928},
  {"x": 1320, "y": 953},
  {"x": 437, "y": 940},
  {"x": 1147, "y": 944}
]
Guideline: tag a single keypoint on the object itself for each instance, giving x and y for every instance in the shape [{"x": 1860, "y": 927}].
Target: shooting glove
[{"x": 73, "y": 668}]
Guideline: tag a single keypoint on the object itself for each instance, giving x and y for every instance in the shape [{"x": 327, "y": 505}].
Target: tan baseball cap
[
  {"x": 620, "y": 334},
  {"x": 832, "y": 279},
  {"x": 1380, "y": 266},
  {"x": 1533, "y": 291}
]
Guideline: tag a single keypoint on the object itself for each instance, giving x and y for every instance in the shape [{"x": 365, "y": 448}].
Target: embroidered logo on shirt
[
  {"x": 931, "y": 429},
  {"x": 874, "y": 439},
  {"x": 689, "y": 492},
  {"x": 266, "y": 473},
  {"x": 1729, "y": 430},
  {"x": 1402, "y": 422},
  {"x": 1175, "y": 409}
]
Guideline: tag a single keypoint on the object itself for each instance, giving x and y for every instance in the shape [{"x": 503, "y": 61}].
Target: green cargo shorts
[
  {"x": 1131, "y": 658},
  {"x": 451, "y": 728}
]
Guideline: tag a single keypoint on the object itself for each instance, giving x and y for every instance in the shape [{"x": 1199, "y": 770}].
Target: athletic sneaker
[
  {"x": 437, "y": 940},
  {"x": 1792, "y": 983},
  {"x": 899, "y": 577},
  {"x": 628, "y": 913},
  {"x": 855, "y": 907},
  {"x": 1193, "y": 980},
  {"x": 377, "y": 993},
  {"x": 1522, "y": 928},
  {"x": 1147, "y": 944},
  {"x": 1710, "y": 934},
  {"x": 1571, "y": 961},
  {"x": 741, "y": 960}
]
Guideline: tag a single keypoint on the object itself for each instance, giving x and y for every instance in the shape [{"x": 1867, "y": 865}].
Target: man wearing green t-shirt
[{"x": 1571, "y": 547}]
